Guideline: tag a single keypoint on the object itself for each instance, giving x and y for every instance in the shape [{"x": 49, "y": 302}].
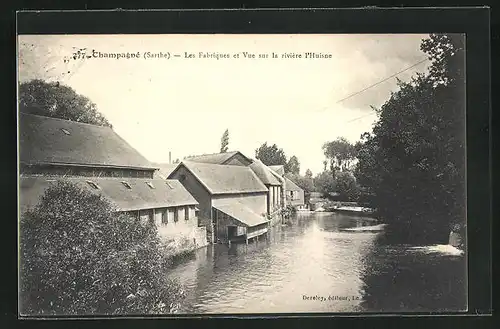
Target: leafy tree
[
  {"x": 339, "y": 153},
  {"x": 78, "y": 256},
  {"x": 52, "y": 99},
  {"x": 293, "y": 165},
  {"x": 413, "y": 161},
  {"x": 309, "y": 174},
  {"x": 271, "y": 155},
  {"x": 224, "y": 141},
  {"x": 325, "y": 183},
  {"x": 346, "y": 186}
]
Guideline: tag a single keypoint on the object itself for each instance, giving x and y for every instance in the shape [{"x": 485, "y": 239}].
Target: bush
[{"x": 79, "y": 256}]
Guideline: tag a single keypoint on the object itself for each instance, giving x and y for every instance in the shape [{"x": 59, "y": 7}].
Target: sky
[{"x": 183, "y": 105}]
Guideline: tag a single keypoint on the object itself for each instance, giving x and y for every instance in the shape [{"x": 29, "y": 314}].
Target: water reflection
[
  {"x": 402, "y": 278},
  {"x": 294, "y": 267}
]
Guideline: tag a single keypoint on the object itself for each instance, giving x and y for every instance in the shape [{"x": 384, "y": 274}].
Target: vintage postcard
[{"x": 241, "y": 174}]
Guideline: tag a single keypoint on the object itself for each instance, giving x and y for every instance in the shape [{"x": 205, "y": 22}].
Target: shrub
[{"x": 79, "y": 256}]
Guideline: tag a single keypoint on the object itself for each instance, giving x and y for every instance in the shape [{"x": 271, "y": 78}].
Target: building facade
[
  {"x": 294, "y": 194},
  {"x": 232, "y": 200},
  {"x": 273, "y": 182}
]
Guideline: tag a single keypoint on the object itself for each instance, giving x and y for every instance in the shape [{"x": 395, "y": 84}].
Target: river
[{"x": 313, "y": 265}]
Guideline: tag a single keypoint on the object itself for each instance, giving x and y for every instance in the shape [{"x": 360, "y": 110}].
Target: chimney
[{"x": 169, "y": 157}]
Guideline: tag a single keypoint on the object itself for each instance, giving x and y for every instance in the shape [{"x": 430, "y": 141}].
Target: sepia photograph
[{"x": 198, "y": 174}]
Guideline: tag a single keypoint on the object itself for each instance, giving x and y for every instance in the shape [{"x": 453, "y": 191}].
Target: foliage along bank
[
  {"x": 80, "y": 257},
  {"x": 413, "y": 162}
]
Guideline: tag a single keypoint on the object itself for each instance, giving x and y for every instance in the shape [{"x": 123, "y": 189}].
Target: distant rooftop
[
  {"x": 165, "y": 169},
  {"x": 290, "y": 185},
  {"x": 264, "y": 173},
  {"x": 215, "y": 158},
  {"x": 280, "y": 169},
  {"x": 220, "y": 179}
]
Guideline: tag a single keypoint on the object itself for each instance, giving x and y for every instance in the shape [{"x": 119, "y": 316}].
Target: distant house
[
  {"x": 232, "y": 199},
  {"x": 272, "y": 182},
  {"x": 164, "y": 169},
  {"x": 99, "y": 160},
  {"x": 294, "y": 194},
  {"x": 228, "y": 158}
]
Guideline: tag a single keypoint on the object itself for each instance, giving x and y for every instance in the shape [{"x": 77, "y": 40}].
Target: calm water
[{"x": 313, "y": 265}]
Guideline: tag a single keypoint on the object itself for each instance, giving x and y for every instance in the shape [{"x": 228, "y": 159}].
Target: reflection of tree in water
[{"x": 397, "y": 278}]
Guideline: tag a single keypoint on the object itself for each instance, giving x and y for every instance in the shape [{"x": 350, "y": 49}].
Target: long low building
[
  {"x": 167, "y": 204},
  {"x": 98, "y": 159}
]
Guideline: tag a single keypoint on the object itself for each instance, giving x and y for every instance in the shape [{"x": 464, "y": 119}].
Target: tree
[
  {"x": 413, "y": 162},
  {"x": 346, "y": 186},
  {"x": 224, "y": 141},
  {"x": 271, "y": 155},
  {"x": 309, "y": 174},
  {"x": 325, "y": 183},
  {"x": 339, "y": 153},
  {"x": 293, "y": 165},
  {"x": 177, "y": 160},
  {"x": 79, "y": 256},
  {"x": 52, "y": 99}
]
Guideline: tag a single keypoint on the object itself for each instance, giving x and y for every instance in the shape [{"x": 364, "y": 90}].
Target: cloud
[
  {"x": 379, "y": 57},
  {"x": 184, "y": 106}
]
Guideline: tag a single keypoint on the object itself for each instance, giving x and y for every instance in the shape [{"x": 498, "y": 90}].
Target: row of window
[
  {"x": 175, "y": 214},
  {"x": 165, "y": 215}
]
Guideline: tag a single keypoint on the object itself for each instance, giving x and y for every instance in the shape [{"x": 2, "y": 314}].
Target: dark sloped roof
[
  {"x": 221, "y": 179},
  {"x": 215, "y": 158},
  {"x": 165, "y": 169},
  {"x": 57, "y": 141},
  {"x": 280, "y": 169},
  {"x": 290, "y": 185},
  {"x": 264, "y": 173},
  {"x": 241, "y": 213},
  {"x": 168, "y": 193}
]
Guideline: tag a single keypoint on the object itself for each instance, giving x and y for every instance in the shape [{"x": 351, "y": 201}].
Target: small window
[
  {"x": 65, "y": 131},
  {"x": 176, "y": 215},
  {"x": 164, "y": 217},
  {"x": 196, "y": 212},
  {"x": 150, "y": 185},
  {"x": 127, "y": 185},
  {"x": 94, "y": 185},
  {"x": 186, "y": 213}
]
